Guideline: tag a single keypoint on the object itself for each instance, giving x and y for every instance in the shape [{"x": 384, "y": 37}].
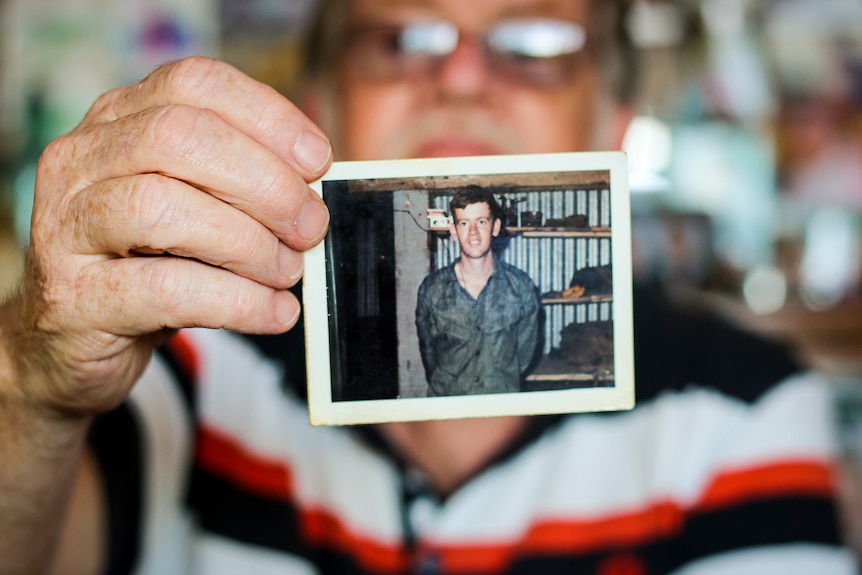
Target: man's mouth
[{"x": 451, "y": 147}]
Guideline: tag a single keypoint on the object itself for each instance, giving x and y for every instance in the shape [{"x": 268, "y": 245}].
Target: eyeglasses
[{"x": 540, "y": 53}]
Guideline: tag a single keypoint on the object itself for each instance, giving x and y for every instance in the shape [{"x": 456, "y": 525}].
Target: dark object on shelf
[
  {"x": 590, "y": 281},
  {"x": 531, "y": 219},
  {"x": 574, "y": 221},
  {"x": 586, "y": 347},
  {"x": 510, "y": 210}
]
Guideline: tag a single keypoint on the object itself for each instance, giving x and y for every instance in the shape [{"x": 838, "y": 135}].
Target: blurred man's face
[
  {"x": 475, "y": 229},
  {"x": 424, "y": 78}
]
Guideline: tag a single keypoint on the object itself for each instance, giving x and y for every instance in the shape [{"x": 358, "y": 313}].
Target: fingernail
[
  {"x": 313, "y": 220},
  {"x": 290, "y": 263},
  {"x": 311, "y": 151},
  {"x": 286, "y": 310}
]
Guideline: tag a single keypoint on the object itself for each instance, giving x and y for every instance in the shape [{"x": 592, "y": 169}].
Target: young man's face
[
  {"x": 474, "y": 228},
  {"x": 464, "y": 104}
]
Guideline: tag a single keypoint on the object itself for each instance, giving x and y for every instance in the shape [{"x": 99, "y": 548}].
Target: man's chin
[{"x": 473, "y": 253}]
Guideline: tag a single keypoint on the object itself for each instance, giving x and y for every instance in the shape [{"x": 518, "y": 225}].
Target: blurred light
[
  {"x": 726, "y": 172},
  {"x": 830, "y": 262},
  {"x": 645, "y": 182},
  {"x": 764, "y": 289},
  {"x": 649, "y": 145},
  {"x": 654, "y": 24},
  {"x": 724, "y": 18},
  {"x": 806, "y": 41},
  {"x": 648, "y": 142}
]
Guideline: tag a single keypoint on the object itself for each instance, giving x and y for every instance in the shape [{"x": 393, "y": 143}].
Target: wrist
[{"x": 22, "y": 375}]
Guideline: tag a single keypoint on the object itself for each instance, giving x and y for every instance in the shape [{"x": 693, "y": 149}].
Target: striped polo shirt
[{"x": 211, "y": 467}]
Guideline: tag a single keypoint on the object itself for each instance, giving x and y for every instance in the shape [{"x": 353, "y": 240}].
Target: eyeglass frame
[{"x": 500, "y": 62}]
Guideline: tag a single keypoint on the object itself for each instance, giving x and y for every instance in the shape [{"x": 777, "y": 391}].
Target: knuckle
[
  {"x": 272, "y": 187},
  {"x": 244, "y": 304},
  {"x": 102, "y": 102},
  {"x": 190, "y": 77},
  {"x": 149, "y": 206},
  {"x": 103, "y": 106},
  {"x": 55, "y": 180},
  {"x": 175, "y": 129},
  {"x": 252, "y": 247},
  {"x": 170, "y": 120},
  {"x": 212, "y": 300},
  {"x": 168, "y": 286},
  {"x": 56, "y": 148},
  {"x": 54, "y": 157}
]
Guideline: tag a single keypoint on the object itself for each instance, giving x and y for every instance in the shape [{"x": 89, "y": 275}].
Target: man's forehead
[
  {"x": 488, "y": 9},
  {"x": 476, "y": 209}
]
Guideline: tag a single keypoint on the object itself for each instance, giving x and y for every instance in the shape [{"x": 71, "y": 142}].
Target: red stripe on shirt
[
  {"x": 569, "y": 537},
  {"x": 226, "y": 458},
  {"x": 777, "y": 480},
  {"x": 323, "y": 529},
  {"x": 658, "y": 520},
  {"x": 221, "y": 455},
  {"x": 186, "y": 354}
]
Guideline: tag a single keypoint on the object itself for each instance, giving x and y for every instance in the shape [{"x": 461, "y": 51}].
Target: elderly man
[{"x": 181, "y": 202}]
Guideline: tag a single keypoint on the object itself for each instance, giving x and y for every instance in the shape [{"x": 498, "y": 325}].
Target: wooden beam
[{"x": 599, "y": 179}]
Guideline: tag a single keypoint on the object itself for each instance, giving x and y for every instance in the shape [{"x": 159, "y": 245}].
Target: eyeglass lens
[{"x": 535, "y": 52}]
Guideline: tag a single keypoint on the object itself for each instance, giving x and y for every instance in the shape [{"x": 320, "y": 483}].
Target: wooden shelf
[
  {"x": 570, "y": 377},
  {"x": 578, "y": 300},
  {"x": 543, "y": 232},
  {"x": 548, "y": 232}
]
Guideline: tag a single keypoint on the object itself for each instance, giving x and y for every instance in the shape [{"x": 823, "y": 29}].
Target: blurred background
[{"x": 745, "y": 156}]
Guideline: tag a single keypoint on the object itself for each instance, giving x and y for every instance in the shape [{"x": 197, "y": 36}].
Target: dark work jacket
[{"x": 479, "y": 345}]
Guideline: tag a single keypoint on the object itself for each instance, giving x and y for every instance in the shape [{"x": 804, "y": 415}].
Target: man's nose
[{"x": 464, "y": 72}]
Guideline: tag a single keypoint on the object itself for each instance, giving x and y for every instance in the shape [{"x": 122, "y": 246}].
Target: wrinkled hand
[{"x": 179, "y": 201}]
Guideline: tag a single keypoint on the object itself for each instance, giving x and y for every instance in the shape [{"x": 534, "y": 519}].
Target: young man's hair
[
  {"x": 608, "y": 41},
  {"x": 474, "y": 194}
]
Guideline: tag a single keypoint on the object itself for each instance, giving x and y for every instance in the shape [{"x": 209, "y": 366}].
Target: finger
[
  {"x": 246, "y": 104},
  {"x": 195, "y": 146},
  {"x": 154, "y": 214},
  {"x": 150, "y": 294}
]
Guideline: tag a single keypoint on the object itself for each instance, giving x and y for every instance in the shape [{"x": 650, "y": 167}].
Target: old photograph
[{"x": 471, "y": 287}]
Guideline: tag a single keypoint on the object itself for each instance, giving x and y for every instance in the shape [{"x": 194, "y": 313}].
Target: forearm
[
  {"x": 40, "y": 449},
  {"x": 423, "y": 330}
]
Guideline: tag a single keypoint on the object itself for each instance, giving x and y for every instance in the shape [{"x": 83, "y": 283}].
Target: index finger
[{"x": 250, "y": 106}]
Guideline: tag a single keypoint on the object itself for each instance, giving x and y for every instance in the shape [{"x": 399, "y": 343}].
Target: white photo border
[{"x": 324, "y": 411}]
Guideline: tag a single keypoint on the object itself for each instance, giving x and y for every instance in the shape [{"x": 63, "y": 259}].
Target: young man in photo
[{"x": 478, "y": 318}]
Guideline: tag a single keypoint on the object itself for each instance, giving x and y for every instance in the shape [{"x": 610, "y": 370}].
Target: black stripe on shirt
[
  {"x": 224, "y": 509},
  {"x": 115, "y": 440},
  {"x": 183, "y": 377},
  {"x": 776, "y": 521}
]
